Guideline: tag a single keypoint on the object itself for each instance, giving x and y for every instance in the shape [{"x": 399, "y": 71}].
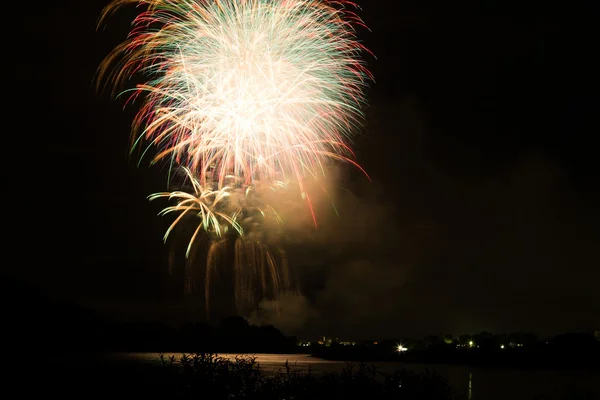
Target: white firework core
[{"x": 255, "y": 88}]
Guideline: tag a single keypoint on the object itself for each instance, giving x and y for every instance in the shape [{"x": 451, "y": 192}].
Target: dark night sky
[{"x": 483, "y": 212}]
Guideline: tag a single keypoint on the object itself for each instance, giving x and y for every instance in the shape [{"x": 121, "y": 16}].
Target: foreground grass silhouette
[
  {"x": 214, "y": 377},
  {"x": 210, "y": 376}
]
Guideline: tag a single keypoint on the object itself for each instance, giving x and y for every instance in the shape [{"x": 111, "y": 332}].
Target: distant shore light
[{"x": 401, "y": 348}]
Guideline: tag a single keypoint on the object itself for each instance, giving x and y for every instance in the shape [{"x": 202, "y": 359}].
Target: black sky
[{"x": 483, "y": 212}]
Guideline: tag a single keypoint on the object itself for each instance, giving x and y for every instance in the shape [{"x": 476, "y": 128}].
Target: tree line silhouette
[{"x": 34, "y": 321}]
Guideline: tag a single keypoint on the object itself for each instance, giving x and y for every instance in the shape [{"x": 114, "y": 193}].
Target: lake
[{"x": 471, "y": 383}]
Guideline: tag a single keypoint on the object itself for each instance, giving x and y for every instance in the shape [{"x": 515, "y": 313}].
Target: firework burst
[
  {"x": 246, "y": 96},
  {"x": 250, "y": 88}
]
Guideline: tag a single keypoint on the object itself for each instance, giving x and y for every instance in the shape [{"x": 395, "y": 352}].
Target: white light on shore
[{"x": 401, "y": 348}]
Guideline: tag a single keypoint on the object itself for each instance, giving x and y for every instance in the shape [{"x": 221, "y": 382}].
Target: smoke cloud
[{"x": 437, "y": 249}]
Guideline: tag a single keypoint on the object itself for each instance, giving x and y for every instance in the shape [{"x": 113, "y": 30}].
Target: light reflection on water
[
  {"x": 469, "y": 383},
  {"x": 470, "y": 391}
]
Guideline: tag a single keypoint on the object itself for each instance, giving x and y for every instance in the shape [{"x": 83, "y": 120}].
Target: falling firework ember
[
  {"x": 245, "y": 96},
  {"x": 246, "y": 215}
]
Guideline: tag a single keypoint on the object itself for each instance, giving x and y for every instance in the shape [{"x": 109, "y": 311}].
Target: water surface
[{"x": 472, "y": 383}]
